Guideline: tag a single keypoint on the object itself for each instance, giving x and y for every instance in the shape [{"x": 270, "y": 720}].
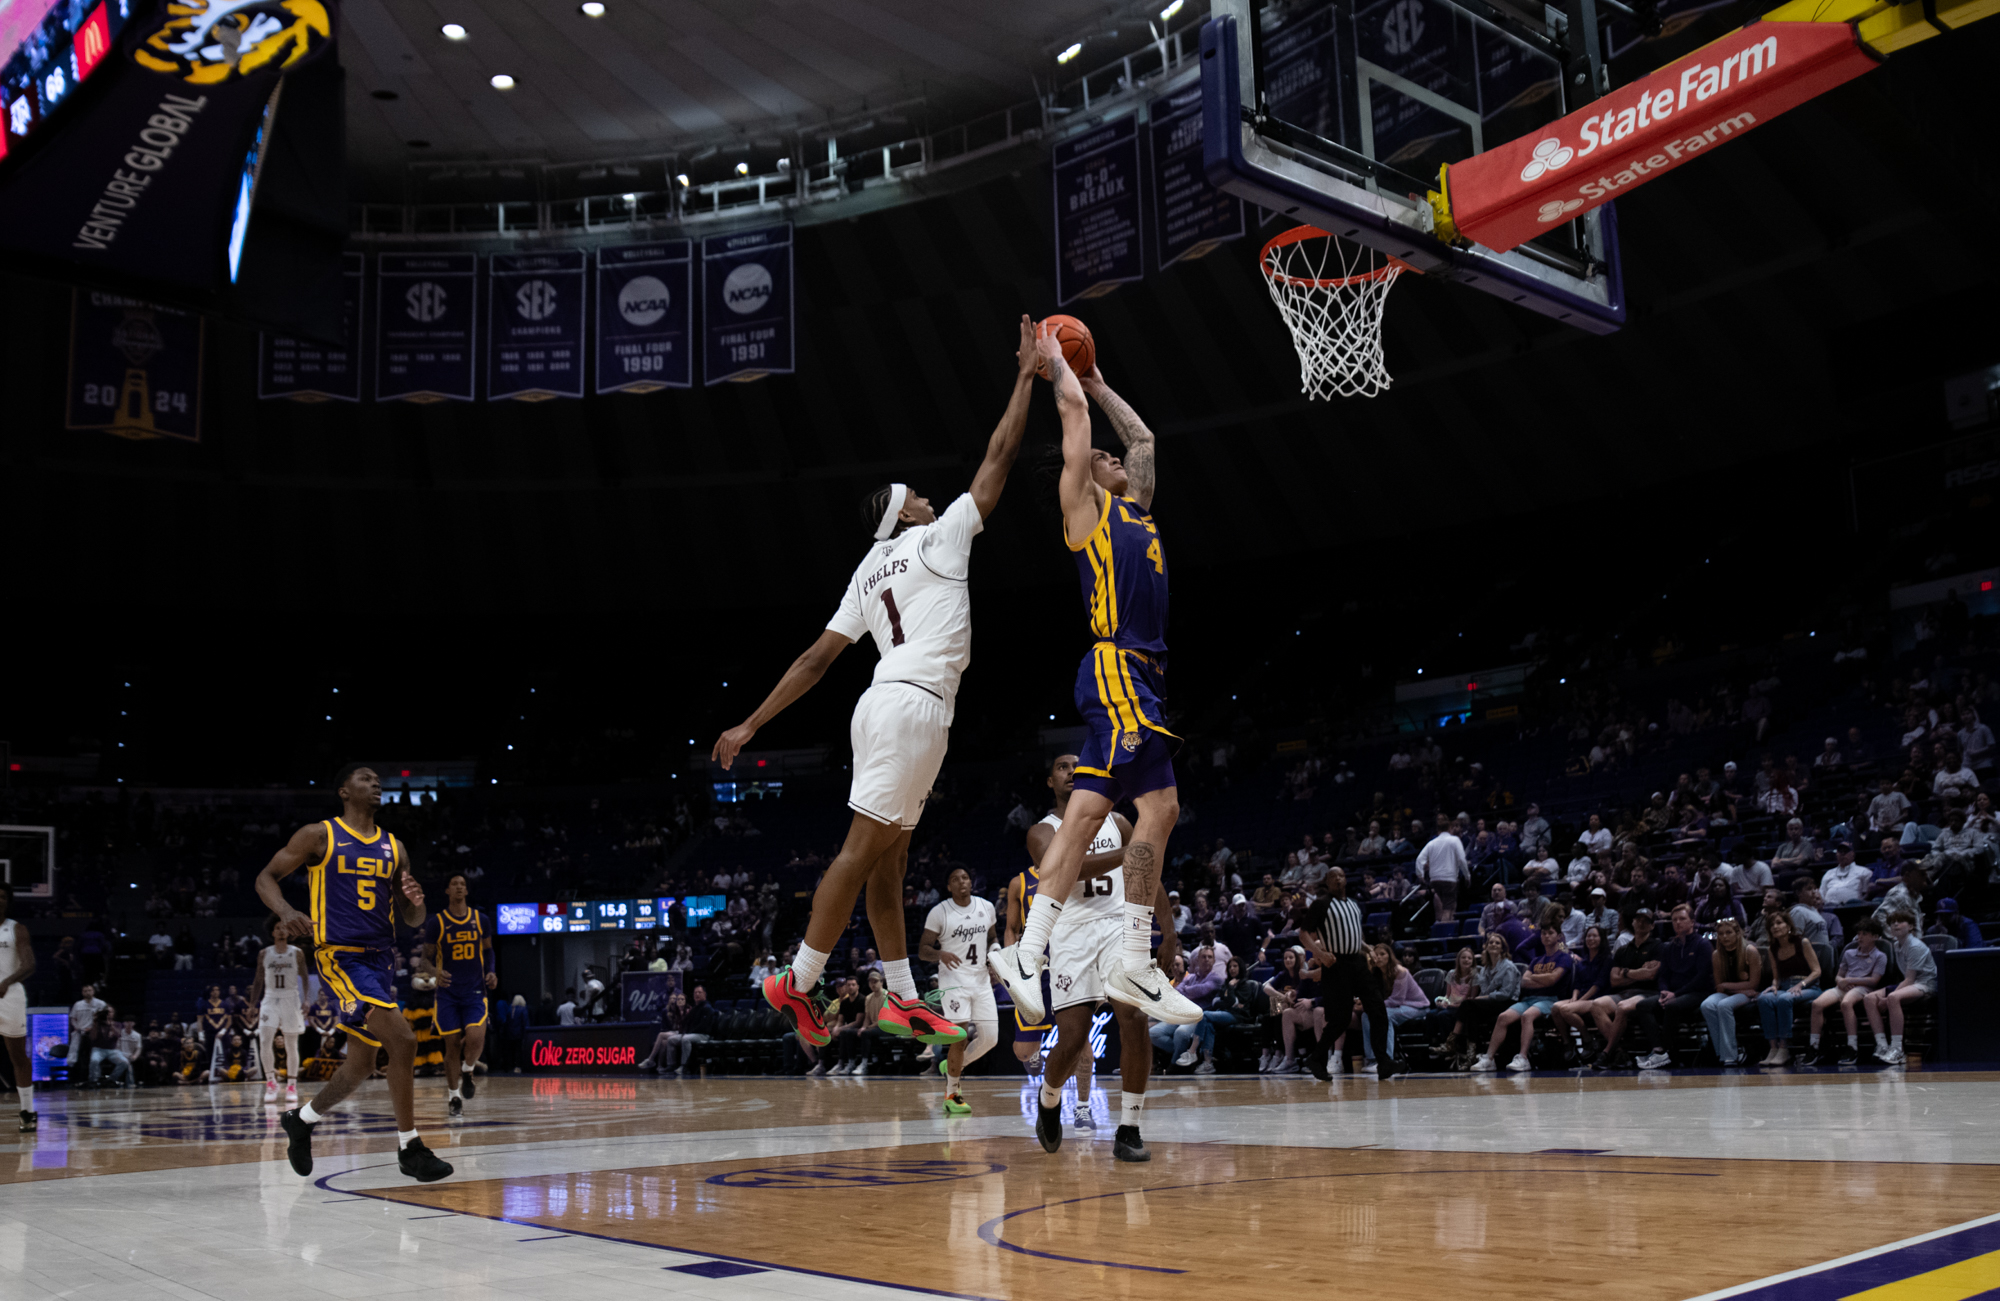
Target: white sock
[
  {"x": 951, "y": 1085},
  {"x": 901, "y": 983},
  {"x": 806, "y": 967},
  {"x": 1129, "y": 1107},
  {"x": 1813, "y": 1040},
  {"x": 1896, "y": 1042},
  {"x": 405, "y": 1137},
  {"x": 1854, "y": 1042},
  {"x": 454, "y": 1093},
  {"x": 308, "y": 1115},
  {"x": 1050, "y": 1097},
  {"x": 1041, "y": 920},
  {"x": 27, "y": 1097},
  {"x": 1137, "y": 954}
]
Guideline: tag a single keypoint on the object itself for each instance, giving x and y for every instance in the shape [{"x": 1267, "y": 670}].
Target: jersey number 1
[{"x": 895, "y": 617}]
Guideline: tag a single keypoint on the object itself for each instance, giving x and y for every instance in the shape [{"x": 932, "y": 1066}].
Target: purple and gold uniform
[
  {"x": 461, "y": 945},
  {"x": 1121, "y": 685},
  {"x": 1021, "y": 893},
  {"x": 353, "y": 898}
]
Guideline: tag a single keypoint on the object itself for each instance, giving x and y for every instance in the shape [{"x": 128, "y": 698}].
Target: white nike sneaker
[
  {"x": 1186, "y": 1059},
  {"x": 1520, "y": 1063},
  {"x": 1150, "y": 992},
  {"x": 270, "y": 1090},
  {"x": 1484, "y": 1062},
  {"x": 1021, "y": 972},
  {"x": 291, "y": 1091}
]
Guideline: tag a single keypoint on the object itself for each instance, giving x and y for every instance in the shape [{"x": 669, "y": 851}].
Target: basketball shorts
[
  {"x": 963, "y": 1006},
  {"x": 286, "y": 1017},
  {"x": 1034, "y": 1033},
  {"x": 14, "y": 1013},
  {"x": 460, "y": 1008},
  {"x": 1129, "y": 751},
  {"x": 899, "y": 732},
  {"x": 1081, "y": 957},
  {"x": 360, "y": 979}
]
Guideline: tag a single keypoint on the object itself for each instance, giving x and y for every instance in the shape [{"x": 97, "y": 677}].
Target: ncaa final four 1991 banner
[
  {"x": 747, "y": 304},
  {"x": 426, "y": 326},
  {"x": 645, "y": 317},
  {"x": 534, "y": 327}
]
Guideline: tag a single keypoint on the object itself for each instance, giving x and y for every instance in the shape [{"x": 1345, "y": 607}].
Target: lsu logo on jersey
[{"x": 208, "y": 42}]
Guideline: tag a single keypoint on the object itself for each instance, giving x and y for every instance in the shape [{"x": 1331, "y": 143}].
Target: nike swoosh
[{"x": 1147, "y": 992}]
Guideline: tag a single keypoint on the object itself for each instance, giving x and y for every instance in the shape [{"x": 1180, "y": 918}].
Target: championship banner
[
  {"x": 645, "y": 317},
  {"x": 747, "y": 304},
  {"x": 1512, "y": 193},
  {"x": 426, "y": 328},
  {"x": 134, "y": 368},
  {"x": 1097, "y": 212},
  {"x": 534, "y": 308},
  {"x": 306, "y": 371},
  {"x": 1190, "y": 216}
]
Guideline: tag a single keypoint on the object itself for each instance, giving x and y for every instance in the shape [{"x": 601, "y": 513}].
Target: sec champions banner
[{"x": 534, "y": 334}]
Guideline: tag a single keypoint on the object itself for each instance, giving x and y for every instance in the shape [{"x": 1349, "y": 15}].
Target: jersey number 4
[{"x": 895, "y": 617}]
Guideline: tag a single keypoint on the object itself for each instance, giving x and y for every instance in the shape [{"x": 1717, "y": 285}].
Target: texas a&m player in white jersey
[
  {"x": 958, "y": 935},
  {"x": 910, "y": 593},
  {"x": 17, "y": 963},
  {"x": 280, "y": 981}
]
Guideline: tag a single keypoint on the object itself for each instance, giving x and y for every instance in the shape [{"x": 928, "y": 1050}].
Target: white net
[{"x": 1331, "y": 293}]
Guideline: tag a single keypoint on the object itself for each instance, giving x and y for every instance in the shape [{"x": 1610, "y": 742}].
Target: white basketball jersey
[
  {"x": 1094, "y": 897},
  {"x": 963, "y": 931},
  {"x": 283, "y": 973},
  {"x": 10, "y": 957},
  {"x": 910, "y": 594}
]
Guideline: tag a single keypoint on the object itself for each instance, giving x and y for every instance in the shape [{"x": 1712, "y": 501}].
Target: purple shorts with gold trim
[
  {"x": 1122, "y": 697},
  {"x": 358, "y": 979}
]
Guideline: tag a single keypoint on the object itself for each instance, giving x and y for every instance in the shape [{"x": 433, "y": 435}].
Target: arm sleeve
[{"x": 847, "y": 620}]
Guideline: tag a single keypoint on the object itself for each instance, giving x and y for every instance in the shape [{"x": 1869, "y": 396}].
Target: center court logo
[
  {"x": 643, "y": 300},
  {"x": 425, "y": 301},
  {"x": 1550, "y": 155},
  {"x": 747, "y": 288},
  {"x": 536, "y": 300}
]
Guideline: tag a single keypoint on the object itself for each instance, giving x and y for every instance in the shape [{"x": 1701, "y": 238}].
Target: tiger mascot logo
[{"x": 208, "y": 42}]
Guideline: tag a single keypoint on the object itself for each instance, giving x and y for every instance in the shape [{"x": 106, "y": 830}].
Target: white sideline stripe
[{"x": 1741, "y": 1288}]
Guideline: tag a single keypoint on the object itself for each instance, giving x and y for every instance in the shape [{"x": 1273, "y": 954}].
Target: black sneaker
[
  {"x": 1128, "y": 1146},
  {"x": 1388, "y": 1068},
  {"x": 418, "y": 1162},
  {"x": 1317, "y": 1061},
  {"x": 1851, "y": 1057},
  {"x": 453, "y": 1107},
  {"x": 30, "y": 1121},
  {"x": 467, "y": 1087},
  {"x": 1048, "y": 1126},
  {"x": 299, "y": 1148}
]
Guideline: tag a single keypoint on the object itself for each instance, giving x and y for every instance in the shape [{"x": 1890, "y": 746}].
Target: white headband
[{"x": 898, "y": 494}]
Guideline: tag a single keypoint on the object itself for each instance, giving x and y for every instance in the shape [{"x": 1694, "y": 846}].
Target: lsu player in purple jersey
[
  {"x": 359, "y": 881},
  {"x": 459, "y": 952},
  {"x": 1121, "y": 688}
]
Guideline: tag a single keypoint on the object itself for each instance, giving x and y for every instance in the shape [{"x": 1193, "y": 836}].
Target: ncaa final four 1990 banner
[
  {"x": 534, "y": 327},
  {"x": 426, "y": 326},
  {"x": 747, "y": 304},
  {"x": 645, "y": 317}
]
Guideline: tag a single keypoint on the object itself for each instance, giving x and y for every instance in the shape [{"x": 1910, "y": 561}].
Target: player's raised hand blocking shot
[{"x": 911, "y": 594}]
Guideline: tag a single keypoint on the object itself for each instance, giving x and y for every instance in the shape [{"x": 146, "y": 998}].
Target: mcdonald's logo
[{"x": 93, "y": 41}]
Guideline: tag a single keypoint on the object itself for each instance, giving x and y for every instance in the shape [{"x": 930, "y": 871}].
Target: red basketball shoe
[
  {"x": 905, "y": 1017},
  {"x": 800, "y": 1010}
]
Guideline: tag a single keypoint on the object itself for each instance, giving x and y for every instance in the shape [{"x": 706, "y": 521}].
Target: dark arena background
[{"x": 487, "y": 395}]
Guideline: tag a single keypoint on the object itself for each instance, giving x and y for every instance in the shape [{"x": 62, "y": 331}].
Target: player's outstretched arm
[
  {"x": 307, "y": 845},
  {"x": 806, "y": 670},
  {"x": 1140, "y": 470},
  {"x": 1076, "y": 490},
  {"x": 1005, "y": 444}
]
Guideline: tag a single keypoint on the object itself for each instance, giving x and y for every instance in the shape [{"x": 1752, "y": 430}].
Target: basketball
[{"x": 1079, "y": 349}]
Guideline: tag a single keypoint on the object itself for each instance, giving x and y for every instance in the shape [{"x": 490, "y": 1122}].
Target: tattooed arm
[{"x": 1131, "y": 431}]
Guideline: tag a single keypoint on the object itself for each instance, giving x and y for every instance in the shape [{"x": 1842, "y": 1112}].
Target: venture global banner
[
  {"x": 426, "y": 326},
  {"x": 645, "y": 317},
  {"x": 747, "y": 304},
  {"x": 1097, "y": 211},
  {"x": 534, "y": 334}
]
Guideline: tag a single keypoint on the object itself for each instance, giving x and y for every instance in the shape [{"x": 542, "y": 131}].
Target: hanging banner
[
  {"x": 1190, "y": 216},
  {"x": 134, "y": 368},
  {"x": 645, "y": 317},
  {"x": 307, "y": 371},
  {"x": 747, "y": 304},
  {"x": 1097, "y": 212},
  {"x": 534, "y": 325},
  {"x": 426, "y": 328}
]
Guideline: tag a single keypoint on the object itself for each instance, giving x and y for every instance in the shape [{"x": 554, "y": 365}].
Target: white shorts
[
  {"x": 288, "y": 1018},
  {"x": 899, "y": 732},
  {"x": 963, "y": 1006},
  {"x": 1081, "y": 958},
  {"x": 14, "y": 1013}
]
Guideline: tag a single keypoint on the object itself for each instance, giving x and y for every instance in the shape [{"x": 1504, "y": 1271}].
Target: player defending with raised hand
[
  {"x": 459, "y": 952},
  {"x": 910, "y": 593},
  {"x": 279, "y": 993},
  {"x": 1120, "y": 689},
  {"x": 356, "y": 871},
  {"x": 958, "y": 934}
]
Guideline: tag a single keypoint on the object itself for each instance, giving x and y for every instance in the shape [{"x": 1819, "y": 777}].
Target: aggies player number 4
[
  {"x": 958, "y": 935},
  {"x": 910, "y": 593}
]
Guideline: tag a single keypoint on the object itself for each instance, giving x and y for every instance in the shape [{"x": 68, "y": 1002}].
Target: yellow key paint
[{"x": 1968, "y": 1278}]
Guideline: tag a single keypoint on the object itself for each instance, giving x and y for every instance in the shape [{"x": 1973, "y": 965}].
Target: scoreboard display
[
  {"x": 582, "y": 915},
  {"x": 47, "y": 49}
]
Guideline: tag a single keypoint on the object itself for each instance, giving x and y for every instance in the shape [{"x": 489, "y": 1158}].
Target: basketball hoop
[{"x": 1331, "y": 292}]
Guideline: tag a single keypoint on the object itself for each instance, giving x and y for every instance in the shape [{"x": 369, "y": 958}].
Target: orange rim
[{"x": 1298, "y": 233}]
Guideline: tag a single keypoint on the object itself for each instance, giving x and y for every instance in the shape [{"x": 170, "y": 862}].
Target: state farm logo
[
  {"x": 1556, "y": 209},
  {"x": 1550, "y": 155}
]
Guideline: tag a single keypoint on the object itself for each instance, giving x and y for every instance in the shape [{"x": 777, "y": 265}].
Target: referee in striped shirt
[{"x": 1332, "y": 934}]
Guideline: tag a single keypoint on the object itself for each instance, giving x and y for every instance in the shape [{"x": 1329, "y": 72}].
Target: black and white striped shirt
[{"x": 1337, "y": 922}]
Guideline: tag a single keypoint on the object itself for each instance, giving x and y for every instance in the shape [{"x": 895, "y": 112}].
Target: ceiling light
[
  {"x": 1070, "y": 53},
  {"x": 501, "y": 81},
  {"x": 1171, "y": 10},
  {"x": 632, "y": 200},
  {"x": 683, "y": 179},
  {"x": 453, "y": 32},
  {"x": 784, "y": 164},
  {"x": 742, "y": 169},
  {"x": 591, "y": 9}
]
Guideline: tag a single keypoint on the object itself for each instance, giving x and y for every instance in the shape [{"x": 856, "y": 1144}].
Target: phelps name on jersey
[
  {"x": 1121, "y": 686},
  {"x": 911, "y": 594}
]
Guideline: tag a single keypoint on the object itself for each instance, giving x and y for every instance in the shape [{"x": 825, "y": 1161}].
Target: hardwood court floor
[{"x": 746, "y": 1189}]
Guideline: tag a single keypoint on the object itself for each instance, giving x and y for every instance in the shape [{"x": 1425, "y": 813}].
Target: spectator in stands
[
  {"x": 1440, "y": 867},
  {"x": 1237, "y": 927},
  {"x": 1498, "y": 985},
  {"x": 1496, "y": 911},
  {"x": 1794, "y": 977},
  {"x": 1183, "y": 918},
  {"x": 1757, "y": 712},
  {"x": 1919, "y": 981},
  {"x": 1581, "y": 864},
  {"x": 1861, "y": 970},
  {"x": 1780, "y": 797},
  {"x": 1547, "y": 982},
  {"x": 1887, "y": 869},
  {"x": 105, "y": 1041},
  {"x": 1399, "y": 886},
  {"x": 1907, "y": 895},
  {"x": 1795, "y": 851},
  {"x": 1673, "y": 889},
  {"x": 566, "y": 1010},
  {"x": 1948, "y": 921},
  {"x": 1541, "y": 868},
  {"x": 1717, "y": 904},
  {"x": 1844, "y": 882},
  {"x": 1975, "y": 739},
  {"x": 1691, "y": 828},
  {"x": 1373, "y": 844},
  {"x": 1289, "y": 998},
  {"x": 1829, "y": 756},
  {"x": 1532, "y": 906},
  {"x": 1687, "y": 974},
  {"x": 1267, "y": 898},
  {"x": 1535, "y": 830},
  {"x": 1402, "y": 998},
  {"x": 1748, "y": 877},
  {"x": 1402, "y": 843},
  {"x": 667, "y": 1044},
  {"x": 1955, "y": 783},
  {"x": 1958, "y": 852},
  {"x": 1737, "y": 971},
  {"x": 1589, "y": 980},
  {"x": 842, "y": 1052},
  {"x": 1657, "y": 817},
  {"x": 1595, "y": 836},
  {"x": 1600, "y": 914}
]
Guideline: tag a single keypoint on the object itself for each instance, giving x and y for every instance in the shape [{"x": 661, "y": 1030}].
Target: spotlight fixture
[
  {"x": 1166, "y": 15},
  {"x": 784, "y": 164},
  {"x": 453, "y": 32},
  {"x": 591, "y": 9},
  {"x": 501, "y": 81},
  {"x": 683, "y": 179},
  {"x": 742, "y": 169},
  {"x": 1070, "y": 53}
]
